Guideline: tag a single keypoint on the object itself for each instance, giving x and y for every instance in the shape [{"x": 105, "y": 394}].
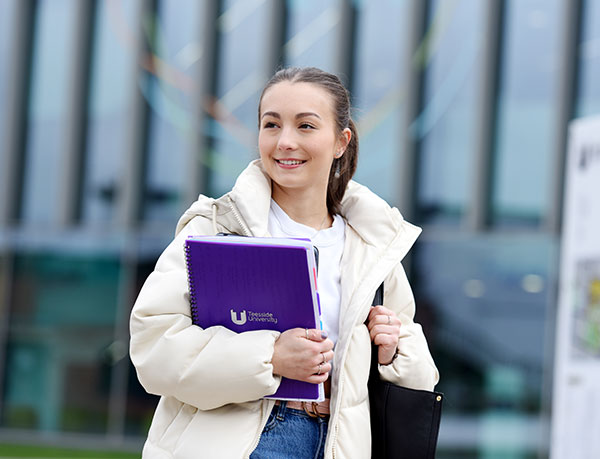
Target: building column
[
  {"x": 478, "y": 213},
  {"x": 413, "y": 88},
  {"x": 14, "y": 142}
]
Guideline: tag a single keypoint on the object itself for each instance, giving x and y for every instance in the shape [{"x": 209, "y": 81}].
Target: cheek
[
  {"x": 264, "y": 145},
  {"x": 325, "y": 148}
]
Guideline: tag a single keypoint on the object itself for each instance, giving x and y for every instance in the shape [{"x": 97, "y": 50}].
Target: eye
[
  {"x": 269, "y": 125},
  {"x": 306, "y": 126}
]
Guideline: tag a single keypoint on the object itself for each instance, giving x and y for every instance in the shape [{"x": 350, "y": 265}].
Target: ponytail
[{"x": 342, "y": 171}]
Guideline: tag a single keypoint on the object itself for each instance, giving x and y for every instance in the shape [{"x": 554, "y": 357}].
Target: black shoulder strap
[{"x": 378, "y": 298}]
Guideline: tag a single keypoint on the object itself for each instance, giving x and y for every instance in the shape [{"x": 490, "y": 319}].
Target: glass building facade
[{"x": 115, "y": 114}]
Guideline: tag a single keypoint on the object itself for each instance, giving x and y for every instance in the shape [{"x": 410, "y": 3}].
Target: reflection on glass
[
  {"x": 243, "y": 26},
  {"x": 377, "y": 93},
  {"x": 55, "y": 27},
  {"x": 169, "y": 93},
  {"x": 588, "y": 102},
  {"x": 311, "y": 33},
  {"x": 112, "y": 67},
  {"x": 61, "y": 325},
  {"x": 7, "y": 10},
  {"x": 485, "y": 320},
  {"x": 527, "y": 103},
  {"x": 446, "y": 124}
]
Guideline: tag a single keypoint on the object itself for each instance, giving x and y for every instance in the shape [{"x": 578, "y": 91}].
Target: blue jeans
[{"x": 291, "y": 434}]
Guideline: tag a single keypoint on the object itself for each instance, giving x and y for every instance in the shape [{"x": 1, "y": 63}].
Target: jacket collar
[
  {"x": 374, "y": 221},
  {"x": 378, "y": 224},
  {"x": 251, "y": 195}
]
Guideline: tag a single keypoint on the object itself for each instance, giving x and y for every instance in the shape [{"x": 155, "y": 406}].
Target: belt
[{"x": 313, "y": 409}]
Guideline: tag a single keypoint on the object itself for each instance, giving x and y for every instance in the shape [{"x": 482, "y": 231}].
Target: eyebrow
[{"x": 299, "y": 115}]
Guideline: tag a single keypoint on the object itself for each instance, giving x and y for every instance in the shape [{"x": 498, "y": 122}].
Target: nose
[{"x": 287, "y": 140}]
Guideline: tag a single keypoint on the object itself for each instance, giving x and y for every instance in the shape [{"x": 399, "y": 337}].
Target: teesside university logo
[
  {"x": 241, "y": 320},
  {"x": 251, "y": 316}
]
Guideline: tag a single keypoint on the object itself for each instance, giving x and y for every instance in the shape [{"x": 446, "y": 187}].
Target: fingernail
[{"x": 324, "y": 334}]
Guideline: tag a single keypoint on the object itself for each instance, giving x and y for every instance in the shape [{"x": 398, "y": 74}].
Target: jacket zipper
[
  {"x": 245, "y": 230},
  {"x": 263, "y": 422},
  {"x": 334, "y": 419}
]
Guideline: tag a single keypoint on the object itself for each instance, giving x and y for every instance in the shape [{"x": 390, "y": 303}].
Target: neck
[{"x": 305, "y": 208}]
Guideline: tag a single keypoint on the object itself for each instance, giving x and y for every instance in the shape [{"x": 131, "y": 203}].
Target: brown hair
[{"x": 343, "y": 168}]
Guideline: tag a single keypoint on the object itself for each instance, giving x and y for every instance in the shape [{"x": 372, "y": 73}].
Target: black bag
[{"x": 404, "y": 422}]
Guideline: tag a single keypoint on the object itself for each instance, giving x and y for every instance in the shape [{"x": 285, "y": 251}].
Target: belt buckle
[{"x": 315, "y": 411}]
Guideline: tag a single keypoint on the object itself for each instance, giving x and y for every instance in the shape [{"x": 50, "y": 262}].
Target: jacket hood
[{"x": 378, "y": 224}]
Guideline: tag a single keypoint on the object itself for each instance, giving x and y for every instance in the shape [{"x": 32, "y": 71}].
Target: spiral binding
[{"x": 192, "y": 290}]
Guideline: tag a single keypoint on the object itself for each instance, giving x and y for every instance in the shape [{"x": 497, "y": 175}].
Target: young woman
[{"x": 212, "y": 381}]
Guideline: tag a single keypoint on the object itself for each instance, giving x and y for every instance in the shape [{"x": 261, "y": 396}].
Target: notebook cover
[{"x": 250, "y": 286}]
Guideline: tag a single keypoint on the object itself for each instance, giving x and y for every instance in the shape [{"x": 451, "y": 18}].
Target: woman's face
[{"x": 297, "y": 137}]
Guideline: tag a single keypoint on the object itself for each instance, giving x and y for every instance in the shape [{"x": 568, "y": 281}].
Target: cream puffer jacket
[{"x": 211, "y": 381}]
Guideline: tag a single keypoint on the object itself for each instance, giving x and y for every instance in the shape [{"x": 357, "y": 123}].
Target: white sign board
[{"x": 576, "y": 398}]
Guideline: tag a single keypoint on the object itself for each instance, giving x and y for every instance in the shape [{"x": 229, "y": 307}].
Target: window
[
  {"x": 588, "y": 102},
  {"x": 61, "y": 327},
  {"x": 377, "y": 94},
  {"x": 50, "y": 84},
  {"x": 312, "y": 33},
  {"x": 7, "y": 11},
  {"x": 527, "y": 104},
  {"x": 485, "y": 318},
  {"x": 170, "y": 93},
  {"x": 242, "y": 75},
  {"x": 446, "y": 123},
  {"x": 112, "y": 67}
]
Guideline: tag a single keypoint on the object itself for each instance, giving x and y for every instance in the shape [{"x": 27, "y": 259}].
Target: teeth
[{"x": 290, "y": 162}]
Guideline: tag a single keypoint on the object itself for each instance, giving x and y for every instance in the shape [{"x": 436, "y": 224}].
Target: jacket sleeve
[
  {"x": 414, "y": 366},
  {"x": 205, "y": 368}
]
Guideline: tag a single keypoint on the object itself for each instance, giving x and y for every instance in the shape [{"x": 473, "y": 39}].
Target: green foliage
[{"x": 14, "y": 451}]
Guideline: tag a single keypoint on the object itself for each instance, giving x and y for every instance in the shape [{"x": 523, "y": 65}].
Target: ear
[{"x": 343, "y": 141}]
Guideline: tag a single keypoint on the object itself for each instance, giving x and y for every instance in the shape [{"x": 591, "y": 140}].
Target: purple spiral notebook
[{"x": 249, "y": 283}]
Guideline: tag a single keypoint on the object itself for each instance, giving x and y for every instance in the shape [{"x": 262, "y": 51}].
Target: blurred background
[{"x": 115, "y": 114}]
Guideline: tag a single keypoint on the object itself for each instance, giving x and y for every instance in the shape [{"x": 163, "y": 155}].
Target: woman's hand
[
  {"x": 384, "y": 328},
  {"x": 303, "y": 355}
]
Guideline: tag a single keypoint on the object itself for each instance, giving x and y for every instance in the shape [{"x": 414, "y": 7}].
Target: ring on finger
[
  {"x": 306, "y": 330},
  {"x": 389, "y": 320},
  {"x": 319, "y": 370},
  {"x": 323, "y": 358}
]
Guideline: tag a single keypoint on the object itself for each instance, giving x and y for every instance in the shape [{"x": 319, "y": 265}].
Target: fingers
[
  {"x": 317, "y": 379},
  {"x": 383, "y": 320},
  {"x": 306, "y": 359},
  {"x": 327, "y": 356},
  {"x": 323, "y": 367},
  {"x": 383, "y": 315},
  {"x": 316, "y": 373},
  {"x": 323, "y": 359},
  {"x": 387, "y": 344},
  {"x": 314, "y": 334},
  {"x": 385, "y": 340},
  {"x": 384, "y": 330}
]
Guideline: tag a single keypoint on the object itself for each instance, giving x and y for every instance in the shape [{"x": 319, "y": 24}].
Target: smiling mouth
[{"x": 290, "y": 162}]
